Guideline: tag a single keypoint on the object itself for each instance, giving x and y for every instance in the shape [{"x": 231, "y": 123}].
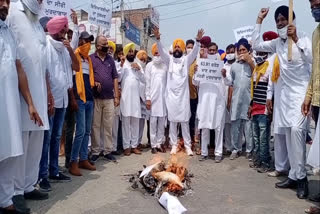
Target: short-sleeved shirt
[{"x": 104, "y": 72}]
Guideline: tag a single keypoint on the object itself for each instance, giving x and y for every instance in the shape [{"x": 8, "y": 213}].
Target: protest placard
[
  {"x": 155, "y": 17},
  {"x": 57, "y": 8},
  {"x": 209, "y": 71},
  {"x": 243, "y": 32},
  {"x": 100, "y": 16}
]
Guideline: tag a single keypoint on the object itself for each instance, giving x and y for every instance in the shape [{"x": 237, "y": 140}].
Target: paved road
[{"x": 228, "y": 187}]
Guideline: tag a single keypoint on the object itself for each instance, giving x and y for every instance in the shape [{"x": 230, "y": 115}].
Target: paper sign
[
  {"x": 243, "y": 32},
  {"x": 57, "y": 8},
  {"x": 100, "y": 16},
  {"x": 155, "y": 17},
  {"x": 209, "y": 71},
  {"x": 171, "y": 204}
]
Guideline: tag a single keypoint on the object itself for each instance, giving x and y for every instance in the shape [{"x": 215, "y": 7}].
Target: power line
[
  {"x": 188, "y": 14},
  {"x": 191, "y": 7},
  {"x": 174, "y": 3}
]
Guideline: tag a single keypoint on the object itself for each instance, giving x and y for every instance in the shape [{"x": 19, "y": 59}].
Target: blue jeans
[
  {"x": 83, "y": 128},
  {"x": 261, "y": 137},
  {"x": 51, "y": 144}
]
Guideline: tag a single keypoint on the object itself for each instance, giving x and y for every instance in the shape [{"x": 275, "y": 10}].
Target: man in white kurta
[
  {"x": 31, "y": 41},
  {"x": 211, "y": 114},
  {"x": 130, "y": 101},
  {"x": 294, "y": 77},
  {"x": 177, "y": 92},
  {"x": 156, "y": 81},
  {"x": 231, "y": 58}
]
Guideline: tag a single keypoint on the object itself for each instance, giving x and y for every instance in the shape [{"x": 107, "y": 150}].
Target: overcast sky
[{"x": 217, "y": 17}]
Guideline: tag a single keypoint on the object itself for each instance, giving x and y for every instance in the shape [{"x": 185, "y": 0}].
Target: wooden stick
[{"x": 290, "y": 42}]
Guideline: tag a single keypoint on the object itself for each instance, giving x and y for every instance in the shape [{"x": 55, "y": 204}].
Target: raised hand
[
  {"x": 262, "y": 14},
  {"x": 156, "y": 33},
  {"x": 292, "y": 32},
  {"x": 200, "y": 34}
]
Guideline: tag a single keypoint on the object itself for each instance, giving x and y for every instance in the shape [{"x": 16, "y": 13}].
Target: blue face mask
[{"x": 316, "y": 14}]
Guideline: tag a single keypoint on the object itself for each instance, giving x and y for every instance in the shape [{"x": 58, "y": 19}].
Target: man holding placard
[
  {"x": 211, "y": 106},
  {"x": 294, "y": 75}
]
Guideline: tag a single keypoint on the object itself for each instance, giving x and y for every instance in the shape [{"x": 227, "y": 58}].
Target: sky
[{"x": 182, "y": 18}]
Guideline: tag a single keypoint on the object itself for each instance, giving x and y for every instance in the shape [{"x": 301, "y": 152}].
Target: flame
[{"x": 156, "y": 159}]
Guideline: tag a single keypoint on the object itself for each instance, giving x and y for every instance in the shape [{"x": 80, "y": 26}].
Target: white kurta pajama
[
  {"x": 227, "y": 125},
  {"x": 294, "y": 76},
  {"x": 130, "y": 105},
  {"x": 177, "y": 92},
  {"x": 211, "y": 114},
  {"x": 10, "y": 114},
  {"x": 281, "y": 160},
  {"x": 156, "y": 81},
  {"x": 31, "y": 43}
]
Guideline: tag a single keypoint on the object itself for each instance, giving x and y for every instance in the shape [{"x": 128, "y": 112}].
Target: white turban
[{"x": 33, "y": 6}]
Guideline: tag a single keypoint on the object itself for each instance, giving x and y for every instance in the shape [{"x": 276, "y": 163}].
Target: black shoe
[
  {"x": 154, "y": 151},
  {"x": 36, "y": 195},
  {"x": 255, "y": 165},
  {"x": 60, "y": 178},
  {"x": 287, "y": 184},
  {"x": 94, "y": 158},
  {"x": 203, "y": 158},
  {"x": 303, "y": 189},
  {"x": 116, "y": 153},
  {"x": 20, "y": 204},
  {"x": 110, "y": 157},
  {"x": 101, "y": 154},
  {"x": 315, "y": 198},
  {"x": 45, "y": 185}
]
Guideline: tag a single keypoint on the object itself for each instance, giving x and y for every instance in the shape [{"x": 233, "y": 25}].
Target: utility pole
[
  {"x": 122, "y": 21},
  {"x": 146, "y": 34}
]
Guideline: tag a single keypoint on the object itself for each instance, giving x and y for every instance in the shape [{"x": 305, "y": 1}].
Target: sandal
[{"x": 313, "y": 210}]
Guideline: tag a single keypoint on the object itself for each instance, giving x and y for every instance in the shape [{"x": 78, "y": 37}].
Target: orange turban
[
  {"x": 180, "y": 43},
  {"x": 154, "y": 49},
  {"x": 142, "y": 54}
]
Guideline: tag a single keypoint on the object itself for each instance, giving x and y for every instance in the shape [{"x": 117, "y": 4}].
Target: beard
[
  {"x": 130, "y": 58},
  {"x": 3, "y": 13},
  {"x": 177, "y": 54}
]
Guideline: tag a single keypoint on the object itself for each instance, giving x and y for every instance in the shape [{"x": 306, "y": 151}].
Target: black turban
[
  {"x": 244, "y": 42},
  {"x": 283, "y": 10}
]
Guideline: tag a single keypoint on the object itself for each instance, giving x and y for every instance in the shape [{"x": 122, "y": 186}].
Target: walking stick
[{"x": 290, "y": 41}]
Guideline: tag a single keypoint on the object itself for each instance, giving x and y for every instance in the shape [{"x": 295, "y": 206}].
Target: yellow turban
[
  {"x": 112, "y": 45},
  {"x": 154, "y": 49},
  {"x": 141, "y": 54},
  {"x": 180, "y": 43},
  {"x": 128, "y": 47}
]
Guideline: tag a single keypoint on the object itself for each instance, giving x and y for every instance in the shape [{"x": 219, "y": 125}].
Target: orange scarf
[
  {"x": 276, "y": 70},
  {"x": 84, "y": 52}
]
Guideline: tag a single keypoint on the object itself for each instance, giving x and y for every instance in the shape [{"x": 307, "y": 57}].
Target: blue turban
[{"x": 244, "y": 42}]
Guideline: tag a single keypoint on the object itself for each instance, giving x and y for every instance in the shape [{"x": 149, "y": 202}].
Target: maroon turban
[
  {"x": 270, "y": 35},
  {"x": 206, "y": 40}
]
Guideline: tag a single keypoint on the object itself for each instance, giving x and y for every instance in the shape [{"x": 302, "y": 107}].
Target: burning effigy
[{"x": 161, "y": 176}]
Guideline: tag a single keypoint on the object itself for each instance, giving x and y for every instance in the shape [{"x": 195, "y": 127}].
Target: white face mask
[
  {"x": 214, "y": 56},
  {"x": 142, "y": 64},
  {"x": 283, "y": 32},
  {"x": 157, "y": 60},
  {"x": 189, "y": 50},
  {"x": 230, "y": 57}
]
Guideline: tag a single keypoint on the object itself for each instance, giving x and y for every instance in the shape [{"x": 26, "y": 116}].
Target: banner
[
  {"x": 243, "y": 32},
  {"x": 132, "y": 32},
  {"x": 57, "y": 8},
  {"x": 209, "y": 71},
  {"x": 100, "y": 16}
]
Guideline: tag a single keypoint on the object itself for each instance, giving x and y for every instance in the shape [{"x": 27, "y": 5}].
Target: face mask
[
  {"x": 260, "y": 59},
  {"x": 230, "y": 57},
  {"x": 283, "y": 32},
  {"x": 142, "y": 64},
  {"x": 104, "y": 49},
  {"x": 189, "y": 50},
  {"x": 316, "y": 14},
  {"x": 213, "y": 56},
  {"x": 157, "y": 60},
  {"x": 85, "y": 49}
]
